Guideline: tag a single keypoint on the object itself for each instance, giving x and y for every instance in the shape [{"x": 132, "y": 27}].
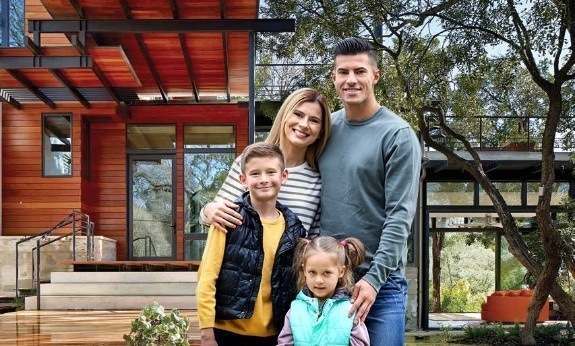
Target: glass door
[{"x": 152, "y": 207}]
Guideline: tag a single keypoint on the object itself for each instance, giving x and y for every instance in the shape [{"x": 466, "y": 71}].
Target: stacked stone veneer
[
  {"x": 52, "y": 258},
  {"x": 411, "y": 310}
]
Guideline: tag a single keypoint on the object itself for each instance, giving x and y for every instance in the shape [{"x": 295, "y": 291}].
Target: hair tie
[{"x": 343, "y": 243}]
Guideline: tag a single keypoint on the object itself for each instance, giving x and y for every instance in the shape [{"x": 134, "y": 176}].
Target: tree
[
  {"x": 15, "y": 18},
  {"x": 440, "y": 51}
]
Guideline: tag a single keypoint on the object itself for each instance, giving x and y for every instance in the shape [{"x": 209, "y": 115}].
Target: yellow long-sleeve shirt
[{"x": 261, "y": 322}]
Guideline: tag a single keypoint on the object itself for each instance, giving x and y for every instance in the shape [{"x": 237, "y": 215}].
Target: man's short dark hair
[{"x": 354, "y": 46}]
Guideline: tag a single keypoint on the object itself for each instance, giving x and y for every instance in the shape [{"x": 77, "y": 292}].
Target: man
[{"x": 370, "y": 171}]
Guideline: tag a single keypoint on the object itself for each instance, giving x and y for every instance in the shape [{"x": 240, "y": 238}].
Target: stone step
[
  {"x": 110, "y": 302},
  {"x": 61, "y": 277},
  {"x": 119, "y": 289}
]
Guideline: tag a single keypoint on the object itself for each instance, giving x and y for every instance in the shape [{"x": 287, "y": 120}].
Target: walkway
[{"x": 44, "y": 327}]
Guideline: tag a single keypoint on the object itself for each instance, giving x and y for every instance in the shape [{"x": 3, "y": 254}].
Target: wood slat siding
[
  {"x": 35, "y": 10},
  {"x": 32, "y": 204}
]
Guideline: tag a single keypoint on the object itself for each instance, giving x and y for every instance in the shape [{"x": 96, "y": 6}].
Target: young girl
[{"x": 319, "y": 315}]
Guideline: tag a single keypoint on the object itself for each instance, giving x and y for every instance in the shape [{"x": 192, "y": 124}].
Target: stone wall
[
  {"x": 411, "y": 309},
  {"x": 52, "y": 258}
]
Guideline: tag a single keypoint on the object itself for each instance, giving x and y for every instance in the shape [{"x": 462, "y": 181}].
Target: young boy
[{"x": 246, "y": 281}]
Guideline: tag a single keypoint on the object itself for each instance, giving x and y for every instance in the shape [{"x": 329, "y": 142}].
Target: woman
[{"x": 301, "y": 129}]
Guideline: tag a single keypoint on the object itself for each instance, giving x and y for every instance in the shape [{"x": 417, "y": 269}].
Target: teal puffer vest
[{"x": 330, "y": 326}]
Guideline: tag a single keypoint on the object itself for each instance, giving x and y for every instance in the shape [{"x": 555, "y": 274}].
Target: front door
[{"x": 152, "y": 207}]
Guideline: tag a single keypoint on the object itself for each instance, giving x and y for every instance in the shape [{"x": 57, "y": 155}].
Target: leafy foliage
[
  {"x": 500, "y": 335},
  {"x": 154, "y": 327}
]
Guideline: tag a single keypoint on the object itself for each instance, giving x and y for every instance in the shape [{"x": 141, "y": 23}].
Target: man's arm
[{"x": 403, "y": 166}]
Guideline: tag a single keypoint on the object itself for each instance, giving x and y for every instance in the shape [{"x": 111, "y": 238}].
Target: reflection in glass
[
  {"x": 203, "y": 175},
  {"x": 511, "y": 192},
  {"x": 152, "y": 220},
  {"x": 57, "y": 144},
  {"x": 448, "y": 193},
  {"x": 559, "y": 194}
]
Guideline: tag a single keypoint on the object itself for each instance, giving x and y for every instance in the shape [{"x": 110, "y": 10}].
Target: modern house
[{"x": 131, "y": 111}]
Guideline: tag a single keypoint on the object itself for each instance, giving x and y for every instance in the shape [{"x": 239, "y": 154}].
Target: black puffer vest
[{"x": 243, "y": 262}]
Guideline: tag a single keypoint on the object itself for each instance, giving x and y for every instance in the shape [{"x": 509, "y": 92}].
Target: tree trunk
[
  {"x": 437, "y": 246},
  {"x": 550, "y": 238}
]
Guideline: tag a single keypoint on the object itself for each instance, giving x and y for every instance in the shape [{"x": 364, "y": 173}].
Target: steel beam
[
  {"x": 162, "y": 25},
  {"x": 32, "y": 88},
  {"x": 55, "y": 62}
]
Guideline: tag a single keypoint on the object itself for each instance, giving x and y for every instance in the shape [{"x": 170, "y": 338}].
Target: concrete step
[
  {"x": 119, "y": 289},
  {"x": 110, "y": 302},
  {"x": 62, "y": 277}
]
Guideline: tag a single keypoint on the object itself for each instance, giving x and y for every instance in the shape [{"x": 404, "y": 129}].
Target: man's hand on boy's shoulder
[{"x": 208, "y": 337}]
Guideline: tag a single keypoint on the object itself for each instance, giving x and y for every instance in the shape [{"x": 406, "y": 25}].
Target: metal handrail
[
  {"x": 148, "y": 245},
  {"x": 84, "y": 226}
]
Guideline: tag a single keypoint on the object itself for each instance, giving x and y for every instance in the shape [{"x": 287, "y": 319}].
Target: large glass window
[
  {"x": 209, "y": 153},
  {"x": 450, "y": 193},
  {"x": 57, "y": 145},
  {"x": 511, "y": 192},
  {"x": 558, "y": 195},
  {"x": 11, "y": 23}
]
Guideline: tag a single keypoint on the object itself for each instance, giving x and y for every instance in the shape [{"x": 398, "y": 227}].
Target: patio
[{"x": 74, "y": 327}]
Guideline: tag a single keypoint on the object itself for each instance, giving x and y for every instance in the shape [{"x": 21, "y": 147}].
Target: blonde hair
[
  {"x": 349, "y": 252},
  {"x": 295, "y": 99},
  {"x": 261, "y": 149}
]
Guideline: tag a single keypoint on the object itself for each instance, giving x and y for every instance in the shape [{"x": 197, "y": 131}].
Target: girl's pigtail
[
  {"x": 354, "y": 253},
  {"x": 354, "y": 256},
  {"x": 298, "y": 258}
]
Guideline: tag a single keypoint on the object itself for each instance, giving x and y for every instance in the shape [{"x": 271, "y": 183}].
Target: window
[
  {"x": 208, "y": 155},
  {"x": 558, "y": 195},
  {"x": 510, "y": 191},
  {"x": 11, "y": 23},
  {"x": 450, "y": 193},
  {"x": 57, "y": 145},
  {"x": 151, "y": 136}
]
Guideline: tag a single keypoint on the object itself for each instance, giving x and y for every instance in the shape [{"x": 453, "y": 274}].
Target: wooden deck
[
  {"x": 25, "y": 328},
  {"x": 140, "y": 266}
]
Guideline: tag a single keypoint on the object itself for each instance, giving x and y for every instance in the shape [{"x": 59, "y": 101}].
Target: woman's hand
[{"x": 222, "y": 214}]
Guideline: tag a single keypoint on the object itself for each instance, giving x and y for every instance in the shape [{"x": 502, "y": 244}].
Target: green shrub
[
  {"x": 459, "y": 298},
  {"x": 154, "y": 327},
  {"x": 499, "y": 335}
]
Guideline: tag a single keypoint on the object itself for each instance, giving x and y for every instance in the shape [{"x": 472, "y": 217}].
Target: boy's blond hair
[{"x": 261, "y": 149}]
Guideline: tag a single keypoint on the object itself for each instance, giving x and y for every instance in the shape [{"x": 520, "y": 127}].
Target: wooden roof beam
[
  {"x": 185, "y": 53},
  {"x": 77, "y": 8},
  {"x": 143, "y": 26},
  {"x": 31, "y": 88},
  {"x": 68, "y": 85},
  {"x": 225, "y": 50},
  {"x": 106, "y": 83},
  {"x": 145, "y": 52}
]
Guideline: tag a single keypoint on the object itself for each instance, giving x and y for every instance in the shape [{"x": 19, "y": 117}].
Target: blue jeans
[{"x": 386, "y": 319}]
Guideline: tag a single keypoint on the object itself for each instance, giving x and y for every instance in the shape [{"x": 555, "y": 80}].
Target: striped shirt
[{"x": 301, "y": 193}]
